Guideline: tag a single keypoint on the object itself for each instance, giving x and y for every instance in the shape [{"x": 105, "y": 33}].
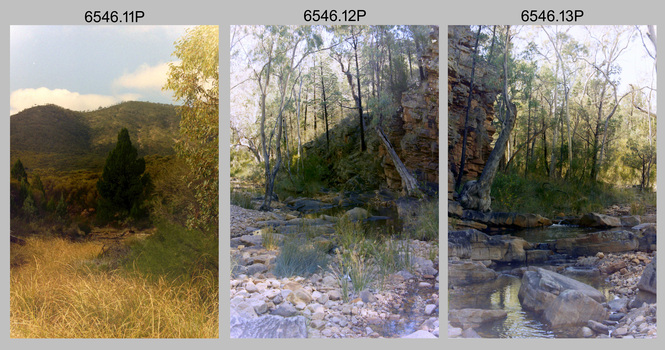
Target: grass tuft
[{"x": 298, "y": 258}]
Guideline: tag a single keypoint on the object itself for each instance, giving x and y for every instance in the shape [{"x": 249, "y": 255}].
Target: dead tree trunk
[{"x": 409, "y": 183}]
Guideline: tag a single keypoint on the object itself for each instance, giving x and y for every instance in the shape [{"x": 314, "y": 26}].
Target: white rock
[
  {"x": 251, "y": 287},
  {"x": 420, "y": 334}
]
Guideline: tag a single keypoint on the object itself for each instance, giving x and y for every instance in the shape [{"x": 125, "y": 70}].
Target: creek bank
[{"x": 266, "y": 306}]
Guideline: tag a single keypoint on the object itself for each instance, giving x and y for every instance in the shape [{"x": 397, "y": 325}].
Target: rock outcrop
[
  {"x": 591, "y": 243},
  {"x": 414, "y": 133},
  {"x": 461, "y": 273},
  {"x": 475, "y": 245},
  {"x": 485, "y": 88},
  {"x": 506, "y": 220}
]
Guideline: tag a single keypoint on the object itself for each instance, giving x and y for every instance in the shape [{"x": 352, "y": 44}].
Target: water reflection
[{"x": 501, "y": 294}]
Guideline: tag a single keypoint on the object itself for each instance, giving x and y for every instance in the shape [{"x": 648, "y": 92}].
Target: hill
[{"x": 53, "y": 137}]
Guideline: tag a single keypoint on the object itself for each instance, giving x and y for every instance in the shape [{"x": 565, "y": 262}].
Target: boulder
[
  {"x": 356, "y": 214},
  {"x": 630, "y": 221},
  {"x": 540, "y": 287},
  {"x": 268, "y": 326},
  {"x": 646, "y": 286},
  {"x": 647, "y": 240},
  {"x": 534, "y": 256},
  {"x": 573, "y": 308},
  {"x": 472, "y": 318},
  {"x": 599, "y": 220},
  {"x": 468, "y": 272},
  {"x": 647, "y": 282}
]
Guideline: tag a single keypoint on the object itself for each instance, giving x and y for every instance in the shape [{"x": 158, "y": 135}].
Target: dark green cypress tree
[{"x": 123, "y": 182}]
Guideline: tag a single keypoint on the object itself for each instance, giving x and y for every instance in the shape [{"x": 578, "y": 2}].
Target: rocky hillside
[{"x": 461, "y": 42}]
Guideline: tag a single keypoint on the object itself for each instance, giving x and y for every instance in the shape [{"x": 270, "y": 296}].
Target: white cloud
[
  {"x": 26, "y": 98},
  {"x": 145, "y": 78}
]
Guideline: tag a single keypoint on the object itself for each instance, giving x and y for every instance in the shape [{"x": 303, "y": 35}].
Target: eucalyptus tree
[
  {"x": 194, "y": 81},
  {"x": 275, "y": 58},
  {"x": 609, "y": 44},
  {"x": 476, "y": 193},
  {"x": 351, "y": 37}
]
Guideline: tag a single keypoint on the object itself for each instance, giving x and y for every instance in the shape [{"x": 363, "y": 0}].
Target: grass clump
[
  {"x": 356, "y": 269},
  {"x": 298, "y": 258},
  {"x": 424, "y": 225},
  {"x": 268, "y": 239},
  {"x": 241, "y": 199},
  {"x": 367, "y": 258}
]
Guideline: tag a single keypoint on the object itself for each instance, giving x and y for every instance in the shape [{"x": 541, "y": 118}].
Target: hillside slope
[{"x": 53, "y": 137}]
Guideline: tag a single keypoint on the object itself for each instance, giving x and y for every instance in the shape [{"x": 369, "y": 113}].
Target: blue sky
[{"x": 85, "y": 67}]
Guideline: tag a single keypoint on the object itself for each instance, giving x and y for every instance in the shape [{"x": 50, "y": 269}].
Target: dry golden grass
[{"x": 55, "y": 292}]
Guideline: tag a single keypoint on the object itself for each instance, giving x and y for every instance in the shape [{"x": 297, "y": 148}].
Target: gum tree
[{"x": 194, "y": 81}]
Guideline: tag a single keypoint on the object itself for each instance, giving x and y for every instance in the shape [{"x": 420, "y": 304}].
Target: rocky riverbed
[
  {"x": 629, "y": 310},
  {"x": 265, "y": 306}
]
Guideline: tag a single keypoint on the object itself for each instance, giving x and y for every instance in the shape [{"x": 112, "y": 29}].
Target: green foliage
[
  {"x": 18, "y": 171},
  {"x": 175, "y": 251},
  {"x": 367, "y": 258},
  {"x": 29, "y": 208},
  {"x": 172, "y": 198},
  {"x": 195, "y": 82},
  {"x": 512, "y": 193},
  {"x": 306, "y": 182},
  {"x": 298, "y": 258},
  {"x": 123, "y": 185},
  {"x": 244, "y": 165},
  {"x": 61, "y": 208},
  {"x": 391, "y": 256}
]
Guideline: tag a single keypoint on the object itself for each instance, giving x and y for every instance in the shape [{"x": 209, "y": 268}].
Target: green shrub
[{"x": 511, "y": 192}]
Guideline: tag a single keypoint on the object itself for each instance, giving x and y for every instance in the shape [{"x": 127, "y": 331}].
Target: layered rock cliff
[
  {"x": 414, "y": 133},
  {"x": 461, "y": 41}
]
